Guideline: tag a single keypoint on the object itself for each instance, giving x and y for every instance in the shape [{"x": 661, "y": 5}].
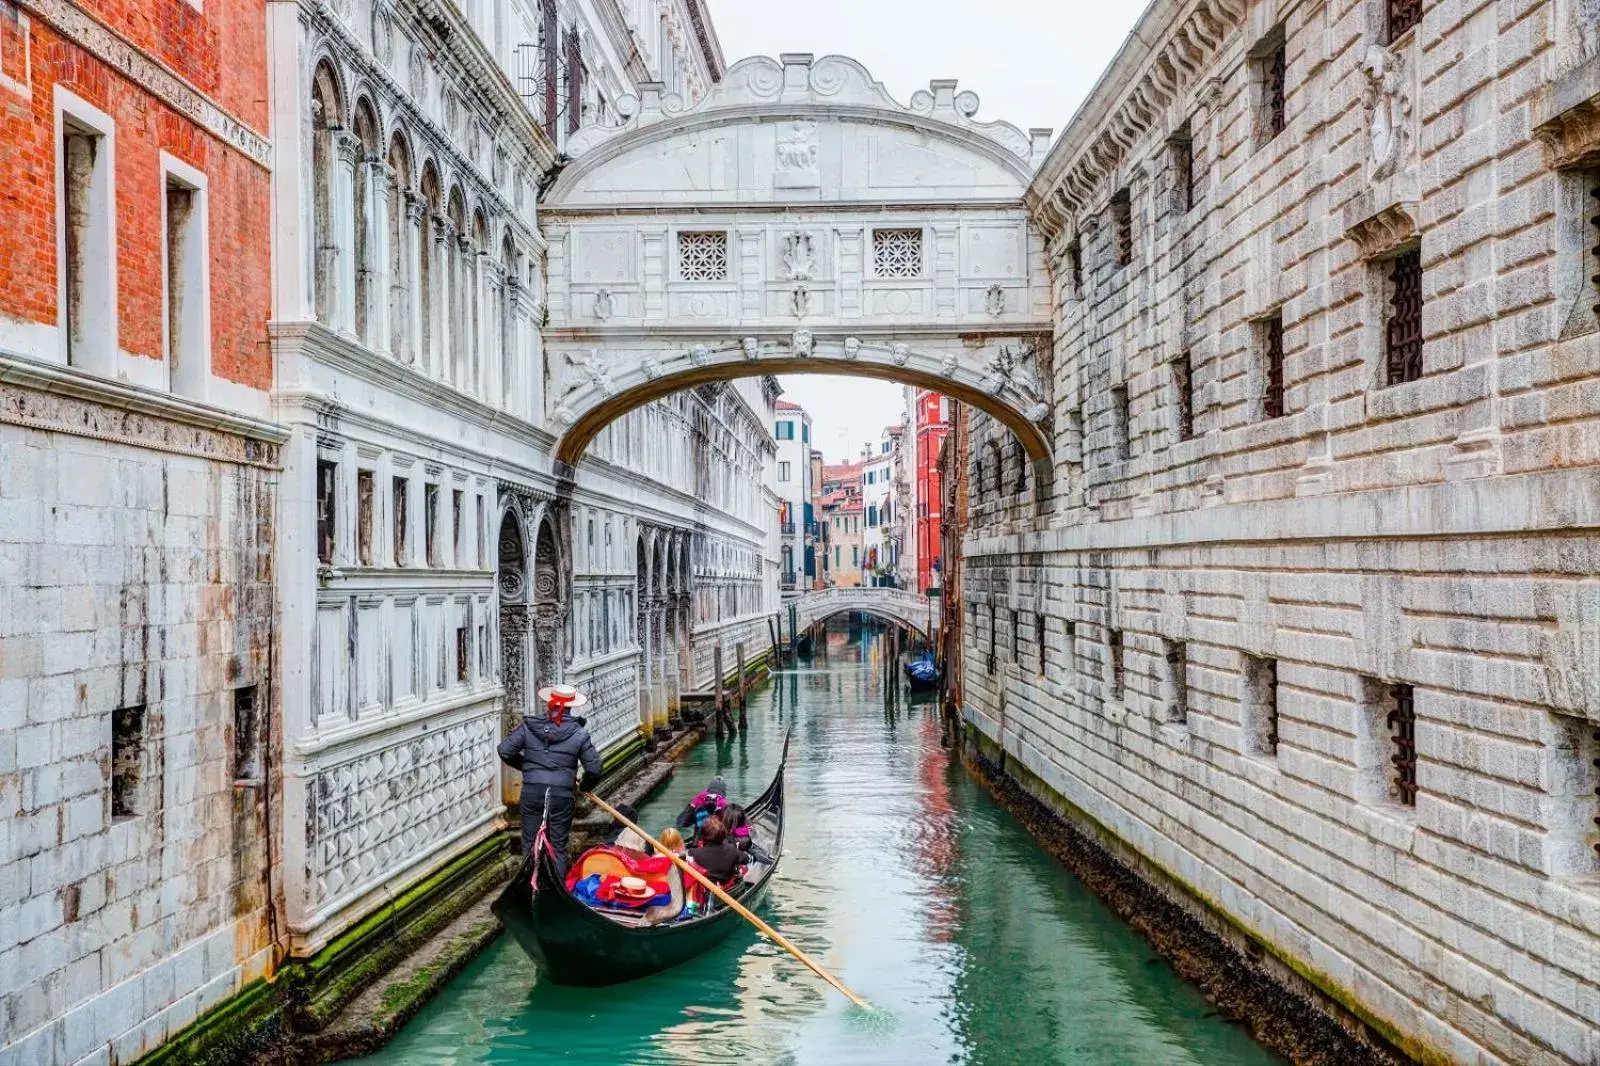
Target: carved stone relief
[
  {"x": 799, "y": 256},
  {"x": 1387, "y": 97},
  {"x": 803, "y": 342},
  {"x": 796, "y": 164}
]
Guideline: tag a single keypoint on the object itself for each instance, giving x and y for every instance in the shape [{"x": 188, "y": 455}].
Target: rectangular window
[
  {"x": 1119, "y": 421},
  {"x": 805, "y": 433},
  {"x": 127, "y": 762},
  {"x": 1016, "y": 639},
  {"x": 1402, "y": 722},
  {"x": 785, "y": 431},
  {"x": 1183, "y": 389},
  {"x": 783, "y": 471},
  {"x": 1038, "y": 635},
  {"x": 483, "y": 533},
  {"x": 458, "y": 503},
  {"x": 1177, "y": 681},
  {"x": 1271, "y": 341},
  {"x": 1573, "y": 754},
  {"x": 1122, "y": 226},
  {"x": 461, "y": 653},
  {"x": 1261, "y": 706},
  {"x": 1181, "y": 148},
  {"x": 88, "y": 253},
  {"x": 364, "y": 508},
  {"x": 703, "y": 256},
  {"x": 897, "y": 253},
  {"x": 1075, "y": 266},
  {"x": 186, "y": 264},
  {"x": 1269, "y": 61},
  {"x": 402, "y": 517},
  {"x": 1114, "y": 662},
  {"x": 989, "y": 662},
  {"x": 430, "y": 523},
  {"x": 247, "y": 768},
  {"x": 575, "y": 73},
  {"x": 1401, "y": 16},
  {"x": 327, "y": 508},
  {"x": 1403, "y": 332},
  {"x": 855, "y": 555}
]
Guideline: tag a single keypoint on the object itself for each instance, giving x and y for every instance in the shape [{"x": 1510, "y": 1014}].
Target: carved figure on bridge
[
  {"x": 799, "y": 257},
  {"x": 948, "y": 367},
  {"x": 803, "y": 342},
  {"x": 602, "y": 304},
  {"x": 799, "y": 302},
  {"x": 1388, "y": 101},
  {"x": 900, "y": 352},
  {"x": 852, "y": 347},
  {"x": 699, "y": 355},
  {"x": 1008, "y": 368},
  {"x": 596, "y": 370},
  {"x": 752, "y": 348},
  {"x": 994, "y": 302},
  {"x": 797, "y": 147}
]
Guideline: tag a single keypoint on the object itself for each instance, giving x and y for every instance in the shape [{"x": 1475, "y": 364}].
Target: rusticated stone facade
[{"x": 1307, "y": 619}]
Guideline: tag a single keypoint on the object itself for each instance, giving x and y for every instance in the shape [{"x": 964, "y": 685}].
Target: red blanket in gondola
[{"x": 613, "y": 862}]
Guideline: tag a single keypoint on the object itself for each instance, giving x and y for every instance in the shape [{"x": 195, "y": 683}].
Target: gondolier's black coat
[{"x": 548, "y": 754}]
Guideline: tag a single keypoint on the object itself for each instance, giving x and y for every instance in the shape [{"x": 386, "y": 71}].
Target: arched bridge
[{"x": 918, "y": 613}]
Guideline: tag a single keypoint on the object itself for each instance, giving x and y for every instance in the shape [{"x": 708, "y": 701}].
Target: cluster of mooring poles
[{"x": 721, "y": 712}]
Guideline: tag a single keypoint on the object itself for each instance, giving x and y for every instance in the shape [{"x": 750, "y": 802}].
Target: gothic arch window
[
  {"x": 429, "y": 275},
  {"x": 510, "y": 383},
  {"x": 327, "y": 124},
  {"x": 549, "y": 610},
  {"x": 400, "y": 288},
  {"x": 365, "y": 216},
  {"x": 475, "y": 301},
  {"x": 456, "y": 284}
]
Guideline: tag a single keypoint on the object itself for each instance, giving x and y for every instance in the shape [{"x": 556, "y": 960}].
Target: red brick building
[{"x": 932, "y": 425}]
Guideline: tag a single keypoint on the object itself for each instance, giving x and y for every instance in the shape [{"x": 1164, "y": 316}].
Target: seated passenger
[
  {"x": 733, "y": 817},
  {"x": 672, "y": 840},
  {"x": 709, "y": 802},
  {"x": 716, "y": 854},
  {"x": 623, "y": 837}
]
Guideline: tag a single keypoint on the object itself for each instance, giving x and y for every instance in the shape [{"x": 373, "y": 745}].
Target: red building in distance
[{"x": 931, "y": 412}]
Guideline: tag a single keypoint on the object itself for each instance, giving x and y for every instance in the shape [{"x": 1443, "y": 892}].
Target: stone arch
[
  {"x": 516, "y": 630},
  {"x": 549, "y": 605},
  {"x": 365, "y": 208},
  {"x": 429, "y": 274},
  {"x": 455, "y": 301},
  {"x": 401, "y": 259}
]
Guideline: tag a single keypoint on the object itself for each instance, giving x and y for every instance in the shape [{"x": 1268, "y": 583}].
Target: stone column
[
  {"x": 409, "y": 322},
  {"x": 346, "y": 149},
  {"x": 515, "y": 399},
  {"x": 379, "y": 177},
  {"x": 463, "y": 335}
]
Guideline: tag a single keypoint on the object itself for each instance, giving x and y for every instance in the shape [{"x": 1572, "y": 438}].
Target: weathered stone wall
[
  {"x": 137, "y": 632},
  {"x": 1433, "y": 537}
]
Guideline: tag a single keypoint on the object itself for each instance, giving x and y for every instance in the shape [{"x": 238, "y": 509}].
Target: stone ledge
[{"x": 1566, "y": 117}]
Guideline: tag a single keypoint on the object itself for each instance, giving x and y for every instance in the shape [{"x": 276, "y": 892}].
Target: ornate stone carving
[
  {"x": 802, "y": 342},
  {"x": 595, "y": 369},
  {"x": 382, "y": 33},
  {"x": 752, "y": 348},
  {"x": 1387, "y": 97},
  {"x": 1008, "y": 369},
  {"x": 799, "y": 255},
  {"x": 852, "y": 348},
  {"x": 1384, "y": 230},
  {"x": 994, "y": 301},
  {"x": 797, "y": 156},
  {"x": 418, "y": 80},
  {"x": 948, "y": 367},
  {"x": 602, "y": 304},
  {"x": 565, "y": 415},
  {"x": 651, "y": 368},
  {"x": 900, "y": 352},
  {"x": 799, "y": 302},
  {"x": 699, "y": 355}
]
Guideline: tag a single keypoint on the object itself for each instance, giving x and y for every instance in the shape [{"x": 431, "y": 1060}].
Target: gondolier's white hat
[{"x": 563, "y": 696}]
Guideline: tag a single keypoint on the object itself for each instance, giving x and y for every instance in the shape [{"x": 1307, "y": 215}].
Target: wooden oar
[{"x": 733, "y": 904}]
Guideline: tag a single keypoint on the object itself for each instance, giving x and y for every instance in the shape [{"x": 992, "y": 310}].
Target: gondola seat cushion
[{"x": 608, "y": 861}]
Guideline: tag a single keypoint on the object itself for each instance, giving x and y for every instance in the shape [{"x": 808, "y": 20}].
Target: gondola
[
  {"x": 576, "y": 945},
  {"x": 923, "y": 674}
]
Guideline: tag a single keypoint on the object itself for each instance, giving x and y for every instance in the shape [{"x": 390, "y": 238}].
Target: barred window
[
  {"x": 1272, "y": 358},
  {"x": 897, "y": 253},
  {"x": 1402, "y": 721},
  {"x": 1402, "y": 15},
  {"x": 1182, "y": 148},
  {"x": 1122, "y": 223},
  {"x": 1269, "y": 61},
  {"x": 1178, "y": 679},
  {"x": 1114, "y": 654},
  {"x": 703, "y": 256},
  {"x": 1403, "y": 335},
  {"x": 1183, "y": 381}
]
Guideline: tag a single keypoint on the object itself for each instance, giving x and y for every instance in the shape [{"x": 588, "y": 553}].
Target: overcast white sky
[{"x": 1031, "y": 62}]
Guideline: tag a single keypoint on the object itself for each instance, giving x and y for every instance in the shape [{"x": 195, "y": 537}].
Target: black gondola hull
[{"x": 575, "y": 945}]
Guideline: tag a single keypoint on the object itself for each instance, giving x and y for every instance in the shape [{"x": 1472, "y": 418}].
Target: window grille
[
  {"x": 1266, "y": 693},
  {"x": 1178, "y": 673},
  {"x": 1119, "y": 415},
  {"x": 127, "y": 761},
  {"x": 897, "y": 253},
  {"x": 400, "y": 518},
  {"x": 1016, "y": 639},
  {"x": 1274, "y": 84},
  {"x": 990, "y": 663},
  {"x": 703, "y": 256},
  {"x": 1038, "y": 631},
  {"x": 1403, "y": 342},
  {"x": 1122, "y": 222},
  {"x": 1075, "y": 264},
  {"x": 1594, "y": 239},
  {"x": 1403, "y": 732},
  {"x": 1114, "y": 648},
  {"x": 327, "y": 501},
  {"x": 1272, "y": 395},
  {"x": 1402, "y": 15},
  {"x": 1595, "y": 762},
  {"x": 1183, "y": 380},
  {"x": 1183, "y": 169}
]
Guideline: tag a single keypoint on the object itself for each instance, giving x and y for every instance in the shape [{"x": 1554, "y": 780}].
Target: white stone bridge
[{"x": 920, "y": 614}]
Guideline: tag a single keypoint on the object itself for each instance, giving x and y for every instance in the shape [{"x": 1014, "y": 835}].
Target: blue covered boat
[{"x": 923, "y": 673}]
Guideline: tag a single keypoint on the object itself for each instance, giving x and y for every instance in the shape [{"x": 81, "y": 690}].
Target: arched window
[
  {"x": 366, "y": 234},
  {"x": 400, "y": 289},
  {"x": 327, "y": 121},
  {"x": 510, "y": 379},
  {"x": 477, "y": 304},
  {"x": 455, "y": 334},
  {"x": 429, "y": 274}
]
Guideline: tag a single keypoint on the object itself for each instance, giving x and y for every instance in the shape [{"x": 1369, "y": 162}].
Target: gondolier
[{"x": 548, "y": 748}]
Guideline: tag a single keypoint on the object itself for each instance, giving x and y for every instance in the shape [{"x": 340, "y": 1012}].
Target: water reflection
[{"x": 902, "y": 876}]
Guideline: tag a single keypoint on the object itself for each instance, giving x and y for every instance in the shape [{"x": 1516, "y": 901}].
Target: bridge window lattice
[
  {"x": 703, "y": 256},
  {"x": 897, "y": 253}
]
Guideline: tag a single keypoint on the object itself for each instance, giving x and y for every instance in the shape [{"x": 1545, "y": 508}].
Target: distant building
[
  {"x": 878, "y": 508},
  {"x": 929, "y": 426},
  {"x": 843, "y": 515},
  {"x": 796, "y": 522}
]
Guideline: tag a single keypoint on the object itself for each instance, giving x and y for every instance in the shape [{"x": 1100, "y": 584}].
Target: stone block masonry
[{"x": 1316, "y": 563}]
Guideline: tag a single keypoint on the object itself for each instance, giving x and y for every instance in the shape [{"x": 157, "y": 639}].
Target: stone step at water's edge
[{"x": 1284, "y": 1009}]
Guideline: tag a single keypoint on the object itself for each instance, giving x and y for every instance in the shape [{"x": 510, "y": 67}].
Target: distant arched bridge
[{"x": 918, "y": 613}]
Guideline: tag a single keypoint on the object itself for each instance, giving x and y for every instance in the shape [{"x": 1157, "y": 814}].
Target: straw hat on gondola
[{"x": 562, "y": 696}]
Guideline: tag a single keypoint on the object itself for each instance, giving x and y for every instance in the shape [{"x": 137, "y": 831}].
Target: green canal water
[{"x": 899, "y": 874}]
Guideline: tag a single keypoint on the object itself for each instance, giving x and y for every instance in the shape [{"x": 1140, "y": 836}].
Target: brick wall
[{"x": 1437, "y": 533}]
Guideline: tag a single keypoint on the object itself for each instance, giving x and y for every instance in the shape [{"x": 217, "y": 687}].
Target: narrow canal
[{"x": 901, "y": 875}]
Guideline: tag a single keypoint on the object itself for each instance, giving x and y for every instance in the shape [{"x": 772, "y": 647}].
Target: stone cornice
[
  {"x": 705, "y": 36},
  {"x": 1566, "y": 117},
  {"x": 151, "y": 75},
  {"x": 83, "y": 405},
  {"x": 553, "y": 214},
  {"x": 1166, "y": 54}
]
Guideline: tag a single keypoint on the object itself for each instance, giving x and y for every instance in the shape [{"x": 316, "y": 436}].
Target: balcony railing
[{"x": 786, "y": 527}]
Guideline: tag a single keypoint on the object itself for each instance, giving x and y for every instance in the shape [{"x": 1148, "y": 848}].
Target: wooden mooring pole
[
  {"x": 718, "y": 709},
  {"x": 744, "y": 683}
]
